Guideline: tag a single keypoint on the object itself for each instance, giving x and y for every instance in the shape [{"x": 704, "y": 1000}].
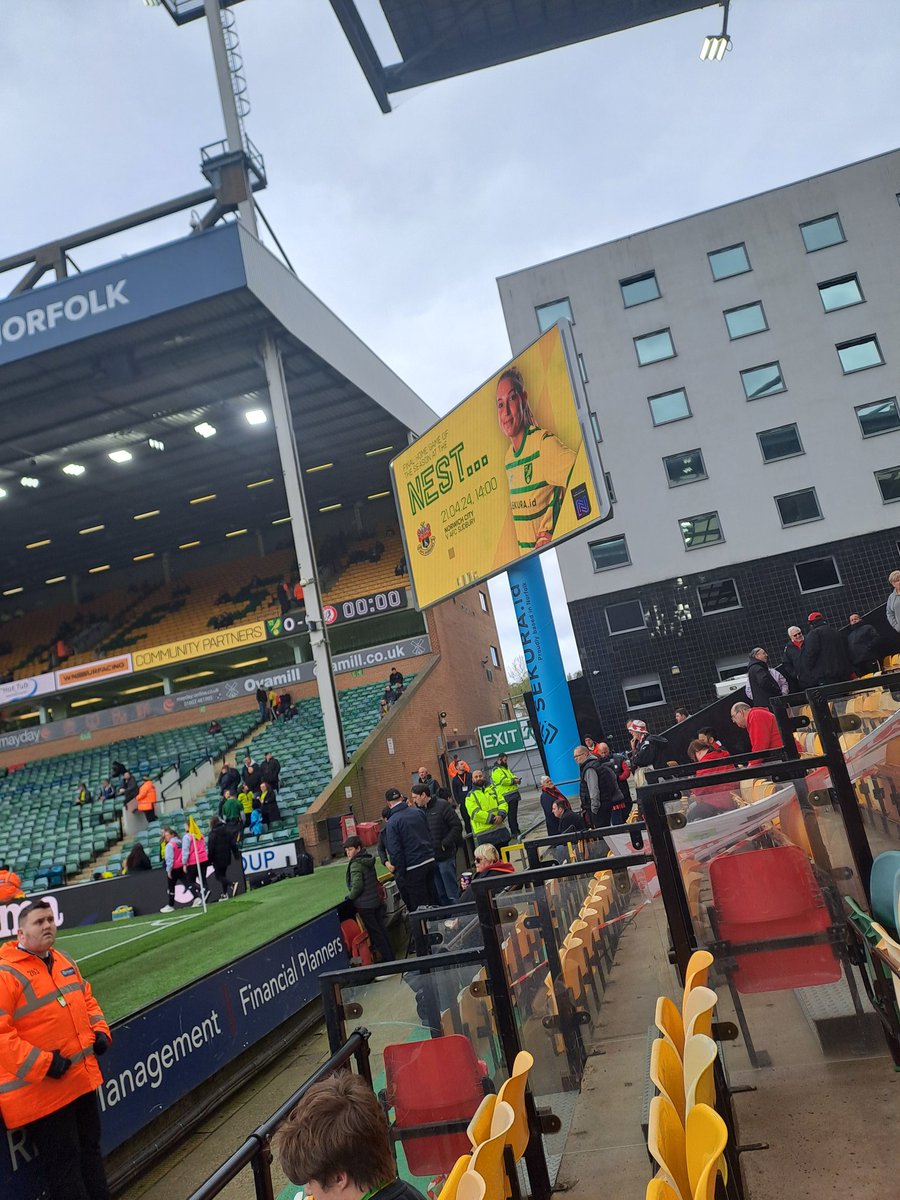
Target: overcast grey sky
[{"x": 402, "y": 223}]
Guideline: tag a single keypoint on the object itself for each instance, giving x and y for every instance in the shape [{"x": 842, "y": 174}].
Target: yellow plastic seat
[
  {"x": 697, "y": 972},
  {"x": 698, "y": 1008},
  {"x": 699, "y": 1084},
  {"x": 487, "y": 1159},
  {"x": 479, "y": 1129},
  {"x": 705, "y": 1138},
  {"x": 667, "y": 1074},
  {"x": 666, "y": 1143},
  {"x": 657, "y": 1189},
  {"x": 451, "y": 1183},
  {"x": 512, "y": 1092},
  {"x": 471, "y": 1187},
  {"x": 669, "y": 1023}
]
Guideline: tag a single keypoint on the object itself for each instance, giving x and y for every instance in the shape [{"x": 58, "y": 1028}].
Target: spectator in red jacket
[
  {"x": 708, "y": 800},
  {"x": 761, "y": 727}
]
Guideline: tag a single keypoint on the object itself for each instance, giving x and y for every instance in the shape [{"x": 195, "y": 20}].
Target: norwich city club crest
[
  {"x": 426, "y": 541},
  {"x": 529, "y": 472}
]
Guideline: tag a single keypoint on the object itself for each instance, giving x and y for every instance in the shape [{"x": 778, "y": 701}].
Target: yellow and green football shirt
[{"x": 538, "y": 476}]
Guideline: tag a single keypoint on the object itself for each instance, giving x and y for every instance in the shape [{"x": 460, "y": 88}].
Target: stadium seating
[
  {"x": 45, "y": 834},
  {"x": 299, "y": 745}
]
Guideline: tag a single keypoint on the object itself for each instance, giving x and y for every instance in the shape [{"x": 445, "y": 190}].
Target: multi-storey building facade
[{"x": 743, "y": 367}]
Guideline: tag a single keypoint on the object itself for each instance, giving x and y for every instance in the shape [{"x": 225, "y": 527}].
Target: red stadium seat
[
  {"x": 438, "y": 1082},
  {"x": 763, "y": 896},
  {"x": 356, "y": 942}
]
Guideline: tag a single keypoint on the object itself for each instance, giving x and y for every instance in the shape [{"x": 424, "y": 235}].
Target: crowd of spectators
[{"x": 249, "y": 797}]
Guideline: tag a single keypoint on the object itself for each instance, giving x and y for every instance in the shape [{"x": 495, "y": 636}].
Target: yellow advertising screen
[{"x": 509, "y": 472}]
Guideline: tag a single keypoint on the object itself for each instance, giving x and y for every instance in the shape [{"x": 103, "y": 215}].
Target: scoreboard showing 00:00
[{"x": 366, "y": 606}]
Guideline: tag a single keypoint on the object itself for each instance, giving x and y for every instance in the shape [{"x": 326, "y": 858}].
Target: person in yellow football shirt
[{"x": 538, "y": 465}]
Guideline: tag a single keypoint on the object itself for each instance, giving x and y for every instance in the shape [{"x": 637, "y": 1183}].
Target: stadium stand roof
[
  {"x": 178, "y": 347},
  {"x": 444, "y": 38}
]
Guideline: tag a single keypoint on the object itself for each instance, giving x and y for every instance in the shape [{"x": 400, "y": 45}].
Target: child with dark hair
[{"x": 336, "y": 1144}]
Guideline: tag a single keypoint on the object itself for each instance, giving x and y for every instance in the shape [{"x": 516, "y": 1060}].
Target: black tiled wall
[{"x": 770, "y": 598}]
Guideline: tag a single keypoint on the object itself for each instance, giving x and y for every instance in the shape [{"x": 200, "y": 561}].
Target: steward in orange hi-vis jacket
[{"x": 51, "y": 1031}]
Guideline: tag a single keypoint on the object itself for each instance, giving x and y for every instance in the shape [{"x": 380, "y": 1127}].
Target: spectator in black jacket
[
  {"x": 761, "y": 684},
  {"x": 229, "y": 779},
  {"x": 221, "y": 849},
  {"x": 792, "y": 660},
  {"x": 250, "y": 774},
  {"x": 129, "y": 789},
  {"x": 601, "y": 801},
  {"x": 446, "y": 838},
  {"x": 270, "y": 770},
  {"x": 825, "y": 658},
  {"x": 863, "y": 643},
  {"x": 408, "y": 842}
]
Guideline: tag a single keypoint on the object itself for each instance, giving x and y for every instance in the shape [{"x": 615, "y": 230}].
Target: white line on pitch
[{"x": 137, "y": 937}]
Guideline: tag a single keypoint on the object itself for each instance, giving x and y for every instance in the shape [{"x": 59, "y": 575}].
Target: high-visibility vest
[
  {"x": 503, "y": 780},
  {"x": 10, "y": 886},
  {"x": 146, "y": 797},
  {"x": 48, "y": 1009},
  {"x": 480, "y": 803}
]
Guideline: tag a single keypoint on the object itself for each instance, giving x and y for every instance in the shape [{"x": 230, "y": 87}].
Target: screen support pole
[{"x": 306, "y": 559}]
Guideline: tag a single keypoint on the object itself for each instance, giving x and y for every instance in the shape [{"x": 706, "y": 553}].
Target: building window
[
  {"x": 582, "y": 369},
  {"x": 880, "y": 417},
  {"x": 639, "y": 289},
  {"x": 825, "y": 231},
  {"x": 611, "y": 552},
  {"x": 609, "y": 487},
  {"x": 654, "y": 347},
  {"x": 669, "y": 406},
  {"x": 731, "y": 260},
  {"x": 643, "y": 691},
  {"x": 796, "y": 508},
  {"x": 743, "y": 321},
  {"x": 731, "y": 667},
  {"x": 703, "y": 530},
  {"x": 841, "y": 293},
  {"x": 482, "y": 600},
  {"x": 495, "y": 657},
  {"x": 556, "y": 310},
  {"x": 718, "y": 595},
  {"x": 782, "y": 442},
  {"x": 860, "y": 354},
  {"x": 595, "y": 426},
  {"x": 625, "y": 617},
  {"x": 489, "y": 674},
  {"x": 762, "y": 381},
  {"x": 684, "y": 468},
  {"x": 888, "y": 482},
  {"x": 816, "y": 574}
]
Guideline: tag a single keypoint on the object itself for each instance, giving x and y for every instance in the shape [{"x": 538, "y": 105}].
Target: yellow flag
[{"x": 194, "y": 828}]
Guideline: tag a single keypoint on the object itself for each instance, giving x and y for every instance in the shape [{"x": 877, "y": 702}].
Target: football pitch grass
[{"x": 131, "y": 964}]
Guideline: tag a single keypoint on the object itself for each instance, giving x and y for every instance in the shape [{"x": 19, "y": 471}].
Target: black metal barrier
[
  {"x": 256, "y": 1152},
  {"x": 490, "y": 992},
  {"x": 533, "y": 848}
]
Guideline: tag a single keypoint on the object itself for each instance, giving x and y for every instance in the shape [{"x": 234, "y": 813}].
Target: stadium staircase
[{"x": 47, "y": 838}]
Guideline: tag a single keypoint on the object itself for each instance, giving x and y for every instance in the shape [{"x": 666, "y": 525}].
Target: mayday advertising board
[
  {"x": 511, "y": 471},
  {"x": 162, "y": 1053}
]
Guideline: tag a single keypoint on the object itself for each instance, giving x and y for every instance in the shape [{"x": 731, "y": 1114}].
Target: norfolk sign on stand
[{"x": 506, "y": 737}]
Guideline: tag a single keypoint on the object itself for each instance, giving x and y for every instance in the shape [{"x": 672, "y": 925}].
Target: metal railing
[{"x": 256, "y": 1152}]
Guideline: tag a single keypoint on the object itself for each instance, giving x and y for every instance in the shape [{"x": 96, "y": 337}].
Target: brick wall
[{"x": 457, "y": 683}]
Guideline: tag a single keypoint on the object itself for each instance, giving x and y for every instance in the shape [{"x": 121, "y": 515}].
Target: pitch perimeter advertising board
[{"x": 510, "y": 471}]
